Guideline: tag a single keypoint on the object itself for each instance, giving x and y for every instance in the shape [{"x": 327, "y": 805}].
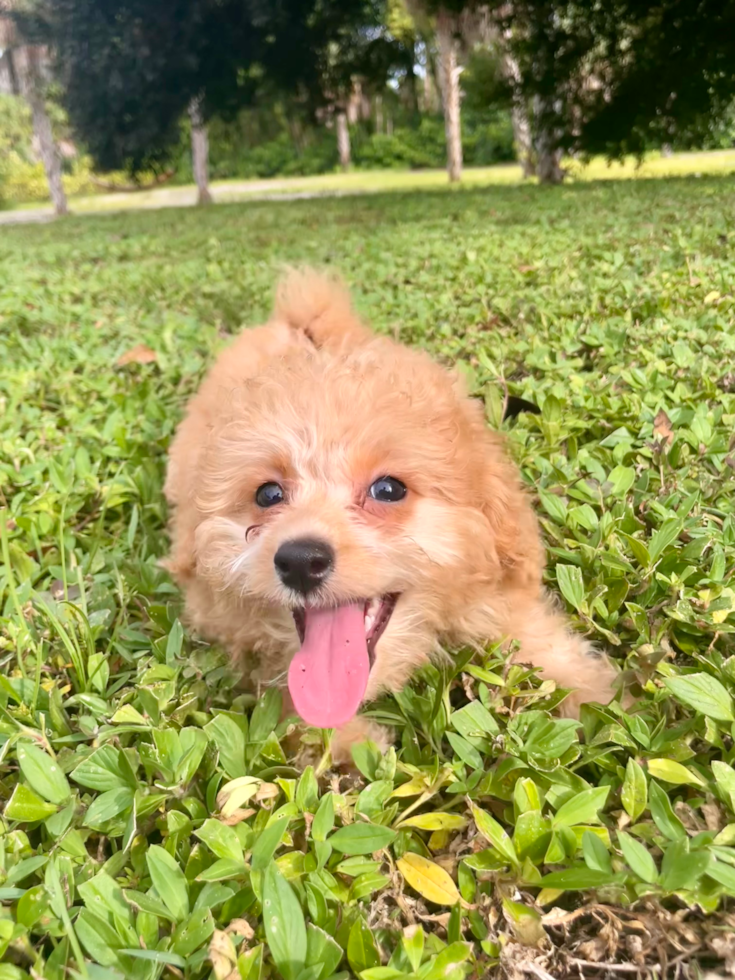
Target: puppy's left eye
[
  {"x": 388, "y": 490},
  {"x": 269, "y": 494}
]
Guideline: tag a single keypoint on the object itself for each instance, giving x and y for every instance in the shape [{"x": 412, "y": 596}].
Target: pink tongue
[{"x": 328, "y": 676}]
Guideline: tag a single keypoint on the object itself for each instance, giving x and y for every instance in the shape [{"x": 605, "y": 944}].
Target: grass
[
  {"x": 718, "y": 162},
  {"x": 153, "y": 821}
]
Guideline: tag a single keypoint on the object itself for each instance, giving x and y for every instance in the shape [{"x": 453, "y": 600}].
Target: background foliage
[{"x": 156, "y": 820}]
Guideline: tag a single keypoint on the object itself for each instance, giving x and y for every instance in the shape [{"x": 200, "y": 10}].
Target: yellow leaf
[
  {"x": 602, "y": 832},
  {"x": 238, "y": 791},
  {"x": 438, "y": 841},
  {"x": 720, "y": 615},
  {"x": 548, "y": 895},
  {"x": 428, "y": 879},
  {"x": 413, "y": 787},
  {"x": 673, "y": 772},
  {"x": 128, "y": 715},
  {"x": 435, "y": 821},
  {"x": 711, "y": 298}
]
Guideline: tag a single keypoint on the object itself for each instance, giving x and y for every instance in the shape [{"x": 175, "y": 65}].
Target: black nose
[{"x": 303, "y": 565}]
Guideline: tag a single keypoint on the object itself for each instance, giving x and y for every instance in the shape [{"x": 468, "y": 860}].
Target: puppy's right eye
[{"x": 269, "y": 494}]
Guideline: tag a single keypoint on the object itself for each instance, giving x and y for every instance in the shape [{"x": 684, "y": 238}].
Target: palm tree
[
  {"x": 200, "y": 151},
  {"x": 30, "y": 73},
  {"x": 449, "y": 21}
]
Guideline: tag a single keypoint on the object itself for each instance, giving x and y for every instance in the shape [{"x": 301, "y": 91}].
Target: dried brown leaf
[
  {"x": 663, "y": 429},
  {"x": 223, "y": 955},
  {"x": 140, "y": 354}
]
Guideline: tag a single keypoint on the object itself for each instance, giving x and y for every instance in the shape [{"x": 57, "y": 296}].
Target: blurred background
[{"x": 106, "y": 98}]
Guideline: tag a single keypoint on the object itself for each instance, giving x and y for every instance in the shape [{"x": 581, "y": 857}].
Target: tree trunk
[
  {"x": 548, "y": 157},
  {"x": 378, "y": 113},
  {"x": 522, "y": 139},
  {"x": 412, "y": 83},
  {"x": 47, "y": 147},
  {"x": 450, "y": 72},
  {"x": 200, "y": 151},
  {"x": 343, "y": 139},
  {"x": 519, "y": 116}
]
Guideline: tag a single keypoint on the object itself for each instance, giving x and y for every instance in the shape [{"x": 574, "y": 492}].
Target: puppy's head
[{"x": 359, "y": 489}]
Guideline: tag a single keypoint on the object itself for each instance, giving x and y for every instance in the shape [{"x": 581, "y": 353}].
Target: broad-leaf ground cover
[{"x": 153, "y": 822}]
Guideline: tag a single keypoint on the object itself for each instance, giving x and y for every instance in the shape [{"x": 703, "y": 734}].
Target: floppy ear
[
  {"x": 506, "y": 506},
  {"x": 317, "y": 305}
]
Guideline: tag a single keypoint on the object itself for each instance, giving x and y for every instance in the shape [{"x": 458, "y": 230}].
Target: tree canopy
[
  {"x": 620, "y": 76},
  {"x": 131, "y": 67}
]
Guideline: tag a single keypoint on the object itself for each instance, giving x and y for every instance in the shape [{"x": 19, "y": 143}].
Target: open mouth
[
  {"x": 329, "y": 675},
  {"x": 377, "y": 613}
]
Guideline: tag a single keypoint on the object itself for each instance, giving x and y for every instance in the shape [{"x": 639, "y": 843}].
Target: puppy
[{"x": 340, "y": 509}]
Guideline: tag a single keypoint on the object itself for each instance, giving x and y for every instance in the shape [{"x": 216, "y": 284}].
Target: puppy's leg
[
  {"x": 547, "y": 641},
  {"x": 359, "y": 729}
]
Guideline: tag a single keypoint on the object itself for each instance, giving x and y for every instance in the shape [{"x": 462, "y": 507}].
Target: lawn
[
  {"x": 154, "y": 825},
  {"x": 710, "y": 163}
]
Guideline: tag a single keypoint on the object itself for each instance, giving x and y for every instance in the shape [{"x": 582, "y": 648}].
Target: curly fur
[{"x": 316, "y": 402}]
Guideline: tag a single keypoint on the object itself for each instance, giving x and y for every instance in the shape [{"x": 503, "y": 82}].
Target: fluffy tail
[{"x": 318, "y": 305}]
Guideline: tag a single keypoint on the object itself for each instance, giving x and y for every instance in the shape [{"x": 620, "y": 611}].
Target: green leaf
[
  {"x": 663, "y": 537},
  {"x": 723, "y": 874},
  {"x": 578, "y": 879},
  {"x": 265, "y": 715},
  {"x": 42, "y": 773},
  {"x": 725, "y": 778},
  {"x": 284, "y": 925},
  {"x": 98, "y": 937},
  {"x": 464, "y": 750},
  {"x": 367, "y": 757},
  {"x": 703, "y": 693},
  {"x": 27, "y": 806},
  {"x": 267, "y": 844},
  {"x": 571, "y": 585},
  {"x": 193, "y": 743},
  {"x": 193, "y": 933},
  {"x": 663, "y": 814},
  {"x": 595, "y": 853},
  {"x": 361, "y": 838},
  {"x": 584, "y": 807},
  {"x": 307, "y": 791},
  {"x": 474, "y": 720},
  {"x": 103, "y": 894},
  {"x": 221, "y": 840},
  {"x": 322, "y": 950},
  {"x": 169, "y": 881},
  {"x": 103, "y": 770},
  {"x": 32, "y": 905},
  {"x": 413, "y": 944},
  {"x": 230, "y": 741},
  {"x": 637, "y": 858},
  {"x": 362, "y": 953},
  {"x": 222, "y": 870},
  {"x": 682, "y": 868},
  {"x": 634, "y": 793},
  {"x": 107, "y": 806},
  {"x": 174, "y": 642},
  {"x": 323, "y": 818},
  {"x": 550, "y": 738},
  {"x": 492, "y": 831},
  {"x": 446, "y": 962}
]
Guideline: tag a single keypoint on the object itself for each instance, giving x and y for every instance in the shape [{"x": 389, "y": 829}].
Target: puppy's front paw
[
  {"x": 596, "y": 680},
  {"x": 357, "y": 730}
]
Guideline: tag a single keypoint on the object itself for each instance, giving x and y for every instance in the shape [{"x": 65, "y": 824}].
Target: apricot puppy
[{"x": 340, "y": 509}]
